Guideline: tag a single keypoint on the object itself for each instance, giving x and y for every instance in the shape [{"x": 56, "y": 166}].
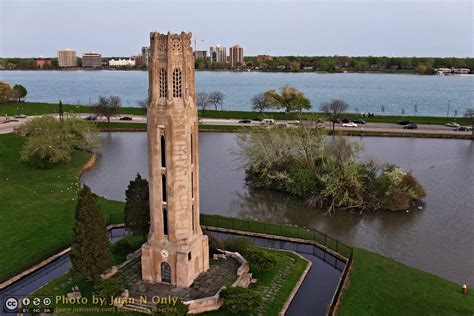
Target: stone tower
[{"x": 176, "y": 251}]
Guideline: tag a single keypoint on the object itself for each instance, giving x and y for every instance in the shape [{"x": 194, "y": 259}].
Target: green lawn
[
  {"x": 36, "y": 108},
  {"x": 381, "y": 286},
  {"x": 37, "y": 207}
]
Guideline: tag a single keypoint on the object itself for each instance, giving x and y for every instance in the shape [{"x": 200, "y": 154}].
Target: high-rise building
[
  {"x": 236, "y": 54},
  {"x": 91, "y": 60},
  {"x": 67, "y": 57},
  {"x": 176, "y": 251},
  {"x": 218, "y": 54},
  {"x": 146, "y": 55},
  {"x": 200, "y": 54}
]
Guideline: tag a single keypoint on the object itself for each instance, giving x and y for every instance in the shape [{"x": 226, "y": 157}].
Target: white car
[
  {"x": 295, "y": 122},
  {"x": 350, "y": 124},
  {"x": 453, "y": 124}
]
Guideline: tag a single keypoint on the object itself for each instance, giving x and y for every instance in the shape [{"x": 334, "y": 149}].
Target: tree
[
  {"x": 21, "y": 91},
  {"x": 90, "y": 250},
  {"x": 203, "y": 100},
  {"x": 260, "y": 103},
  {"x": 216, "y": 98},
  {"x": 334, "y": 108},
  {"x": 470, "y": 115},
  {"x": 289, "y": 99},
  {"x": 137, "y": 206},
  {"x": 144, "y": 103},
  {"x": 108, "y": 107},
  {"x": 5, "y": 92}
]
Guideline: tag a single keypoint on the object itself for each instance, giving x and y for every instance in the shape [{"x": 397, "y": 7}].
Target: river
[
  {"x": 438, "y": 239},
  {"x": 416, "y": 95}
]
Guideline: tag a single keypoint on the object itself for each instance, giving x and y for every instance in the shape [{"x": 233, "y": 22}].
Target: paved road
[{"x": 369, "y": 127}]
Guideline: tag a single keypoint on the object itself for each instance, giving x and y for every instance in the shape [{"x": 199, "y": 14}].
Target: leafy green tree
[
  {"x": 90, "y": 250},
  {"x": 289, "y": 99},
  {"x": 137, "y": 206},
  {"x": 108, "y": 107},
  {"x": 21, "y": 91},
  {"x": 334, "y": 109}
]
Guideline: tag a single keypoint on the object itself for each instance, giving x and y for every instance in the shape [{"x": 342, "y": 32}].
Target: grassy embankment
[
  {"x": 35, "y": 108},
  {"x": 37, "y": 220}
]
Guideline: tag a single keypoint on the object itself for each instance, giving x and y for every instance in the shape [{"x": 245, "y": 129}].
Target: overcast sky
[{"x": 312, "y": 28}]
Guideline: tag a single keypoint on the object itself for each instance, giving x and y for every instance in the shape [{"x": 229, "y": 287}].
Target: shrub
[
  {"x": 259, "y": 260},
  {"x": 396, "y": 200},
  {"x": 412, "y": 184},
  {"x": 214, "y": 244},
  {"x": 123, "y": 248},
  {"x": 107, "y": 288},
  {"x": 238, "y": 299},
  {"x": 239, "y": 244}
]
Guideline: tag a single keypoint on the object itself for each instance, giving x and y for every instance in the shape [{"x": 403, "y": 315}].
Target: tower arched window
[
  {"x": 192, "y": 149},
  {"x": 163, "y": 187},
  {"x": 163, "y": 151},
  {"x": 163, "y": 83},
  {"x": 177, "y": 84},
  {"x": 165, "y": 221}
]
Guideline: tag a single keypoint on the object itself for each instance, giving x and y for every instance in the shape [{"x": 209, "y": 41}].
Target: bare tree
[
  {"x": 144, "y": 103},
  {"x": 108, "y": 106},
  {"x": 260, "y": 102},
  {"x": 470, "y": 115},
  {"x": 202, "y": 100},
  {"x": 334, "y": 109},
  {"x": 216, "y": 98}
]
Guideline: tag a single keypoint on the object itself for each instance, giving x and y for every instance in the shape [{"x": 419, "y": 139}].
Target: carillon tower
[{"x": 176, "y": 251}]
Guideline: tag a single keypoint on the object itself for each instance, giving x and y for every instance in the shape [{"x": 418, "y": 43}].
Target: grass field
[
  {"x": 37, "y": 207},
  {"x": 35, "y": 108}
]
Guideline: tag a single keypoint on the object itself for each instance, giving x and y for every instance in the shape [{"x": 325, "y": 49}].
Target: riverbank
[{"x": 46, "y": 216}]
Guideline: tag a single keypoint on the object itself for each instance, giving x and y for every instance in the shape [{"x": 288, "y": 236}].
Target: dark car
[
  {"x": 90, "y": 118},
  {"x": 404, "y": 122},
  {"x": 410, "y": 126},
  {"x": 346, "y": 120},
  {"x": 359, "y": 121},
  {"x": 463, "y": 129},
  {"x": 245, "y": 121},
  {"x": 125, "y": 118},
  {"x": 257, "y": 119}
]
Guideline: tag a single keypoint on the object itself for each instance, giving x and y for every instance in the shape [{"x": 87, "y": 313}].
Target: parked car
[
  {"x": 245, "y": 121},
  {"x": 405, "y": 122},
  {"x": 257, "y": 119},
  {"x": 125, "y": 118},
  {"x": 294, "y": 122},
  {"x": 453, "y": 124},
  {"x": 268, "y": 122},
  {"x": 90, "y": 118},
  {"x": 359, "y": 121},
  {"x": 410, "y": 126},
  {"x": 350, "y": 124},
  {"x": 346, "y": 120},
  {"x": 463, "y": 129},
  {"x": 20, "y": 116}
]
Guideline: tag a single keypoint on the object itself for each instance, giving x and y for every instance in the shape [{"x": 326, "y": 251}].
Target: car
[
  {"x": 245, "y": 121},
  {"x": 20, "y": 116},
  {"x": 453, "y": 124},
  {"x": 294, "y": 122},
  {"x": 404, "y": 122},
  {"x": 125, "y": 118},
  {"x": 350, "y": 124},
  {"x": 257, "y": 119},
  {"x": 268, "y": 122},
  {"x": 359, "y": 121},
  {"x": 90, "y": 118},
  {"x": 346, "y": 120},
  {"x": 200, "y": 121},
  {"x": 463, "y": 129},
  {"x": 410, "y": 126}
]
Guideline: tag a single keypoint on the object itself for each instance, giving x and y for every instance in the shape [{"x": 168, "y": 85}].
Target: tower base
[{"x": 177, "y": 263}]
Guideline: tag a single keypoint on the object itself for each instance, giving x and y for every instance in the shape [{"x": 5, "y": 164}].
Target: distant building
[
  {"x": 264, "y": 57},
  {"x": 42, "y": 63},
  {"x": 122, "y": 62},
  {"x": 236, "y": 54},
  {"x": 138, "y": 60},
  {"x": 91, "y": 60},
  {"x": 200, "y": 54},
  {"x": 67, "y": 58},
  {"x": 146, "y": 55},
  {"x": 218, "y": 54},
  {"x": 450, "y": 71}
]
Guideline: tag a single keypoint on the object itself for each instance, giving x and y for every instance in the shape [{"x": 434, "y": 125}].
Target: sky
[{"x": 443, "y": 28}]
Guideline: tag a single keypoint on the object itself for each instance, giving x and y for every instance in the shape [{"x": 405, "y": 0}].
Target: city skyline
[{"x": 349, "y": 28}]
